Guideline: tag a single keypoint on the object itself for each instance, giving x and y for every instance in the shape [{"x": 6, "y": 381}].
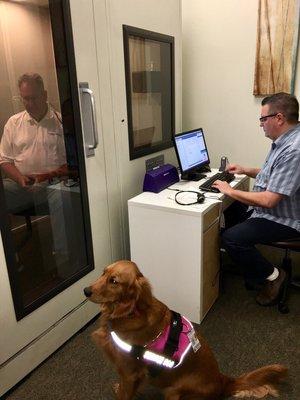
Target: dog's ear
[
  {"x": 144, "y": 292},
  {"x": 138, "y": 297}
]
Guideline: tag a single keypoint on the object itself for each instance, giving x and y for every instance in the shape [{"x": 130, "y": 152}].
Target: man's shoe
[{"x": 270, "y": 293}]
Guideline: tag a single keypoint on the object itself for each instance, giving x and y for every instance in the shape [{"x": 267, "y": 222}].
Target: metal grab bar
[{"x": 89, "y": 119}]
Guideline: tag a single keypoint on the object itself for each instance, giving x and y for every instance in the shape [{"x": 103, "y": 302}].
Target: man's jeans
[{"x": 240, "y": 240}]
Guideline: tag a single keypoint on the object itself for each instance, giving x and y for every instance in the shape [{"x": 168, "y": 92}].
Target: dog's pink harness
[
  {"x": 160, "y": 350},
  {"x": 184, "y": 342}
]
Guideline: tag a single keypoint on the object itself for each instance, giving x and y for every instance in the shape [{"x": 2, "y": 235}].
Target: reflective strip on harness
[{"x": 146, "y": 354}]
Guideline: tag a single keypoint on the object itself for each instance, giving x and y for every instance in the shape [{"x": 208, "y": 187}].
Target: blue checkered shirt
[{"x": 281, "y": 174}]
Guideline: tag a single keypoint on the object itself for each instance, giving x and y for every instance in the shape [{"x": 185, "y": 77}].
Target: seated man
[
  {"x": 274, "y": 212},
  {"x": 32, "y": 153}
]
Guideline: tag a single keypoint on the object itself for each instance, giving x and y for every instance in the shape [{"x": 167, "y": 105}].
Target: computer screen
[{"x": 191, "y": 151}]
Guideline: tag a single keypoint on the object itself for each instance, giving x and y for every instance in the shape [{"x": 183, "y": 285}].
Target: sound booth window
[{"x": 149, "y": 72}]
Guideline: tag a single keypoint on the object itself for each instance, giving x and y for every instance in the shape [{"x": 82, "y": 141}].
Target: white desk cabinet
[{"x": 177, "y": 247}]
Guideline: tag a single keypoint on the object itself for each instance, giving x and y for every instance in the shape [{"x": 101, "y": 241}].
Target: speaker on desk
[{"x": 223, "y": 164}]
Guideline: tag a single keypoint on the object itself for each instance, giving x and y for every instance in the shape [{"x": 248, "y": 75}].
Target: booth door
[{"x": 54, "y": 228}]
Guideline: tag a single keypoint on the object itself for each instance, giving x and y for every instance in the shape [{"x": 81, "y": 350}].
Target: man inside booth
[{"x": 33, "y": 156}]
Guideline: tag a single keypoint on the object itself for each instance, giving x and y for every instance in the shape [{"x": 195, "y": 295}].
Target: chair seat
[
  {"x": 31, "y": 211},
  {"x": 290, "y": 244}
]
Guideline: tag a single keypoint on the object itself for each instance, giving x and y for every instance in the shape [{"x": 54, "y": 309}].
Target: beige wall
[
  {"x": 155, "y": 15},
  {"x": 219, "y": 43},
  {"x": 26, "y": 46}
]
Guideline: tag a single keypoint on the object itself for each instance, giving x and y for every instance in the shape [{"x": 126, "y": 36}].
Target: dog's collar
[{"x": 169, "y": 348}]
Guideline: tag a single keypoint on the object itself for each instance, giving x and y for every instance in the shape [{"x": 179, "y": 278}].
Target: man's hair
[
  {"x": 284, "y": 103},
  {"x": 34, "y": 78}
]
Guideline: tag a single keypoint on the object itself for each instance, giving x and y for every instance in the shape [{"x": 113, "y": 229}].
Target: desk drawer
[
  {"x": 210, "y": 217},
  {"x": 211, "y": 266},
  {"x": 244, "y": 185}
]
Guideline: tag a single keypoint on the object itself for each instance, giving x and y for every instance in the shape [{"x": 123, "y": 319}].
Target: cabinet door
[{"x": 51, "y": 246}]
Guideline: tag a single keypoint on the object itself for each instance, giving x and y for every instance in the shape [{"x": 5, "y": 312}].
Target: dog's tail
[{"x": 258, "y": 383}]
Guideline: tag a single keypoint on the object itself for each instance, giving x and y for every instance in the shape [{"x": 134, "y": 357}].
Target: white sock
[{"x": 274, "y": 275}]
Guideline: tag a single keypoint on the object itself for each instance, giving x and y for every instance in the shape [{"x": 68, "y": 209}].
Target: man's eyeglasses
[{"x": 265, "y": 117}]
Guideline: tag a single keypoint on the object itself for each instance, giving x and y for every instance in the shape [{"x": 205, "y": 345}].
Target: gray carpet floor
[{"x": 242, "y": 335}]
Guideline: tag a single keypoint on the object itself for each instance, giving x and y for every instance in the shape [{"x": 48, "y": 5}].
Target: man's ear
[
  {"x": 281, "y": 118},
  {"x": 45, "y": 95}
]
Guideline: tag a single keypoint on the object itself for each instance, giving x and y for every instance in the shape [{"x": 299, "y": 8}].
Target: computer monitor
[{"x": 192, "y": 154}]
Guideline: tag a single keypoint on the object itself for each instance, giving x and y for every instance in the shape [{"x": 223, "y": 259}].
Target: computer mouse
[{"x": 214, "y": 190}]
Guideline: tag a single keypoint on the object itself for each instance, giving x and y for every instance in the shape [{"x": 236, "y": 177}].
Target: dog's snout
[{"x": 87, "y": 291}]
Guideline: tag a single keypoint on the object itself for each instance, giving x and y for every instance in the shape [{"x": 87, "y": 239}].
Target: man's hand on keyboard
[{"x": 223, "y": 187}]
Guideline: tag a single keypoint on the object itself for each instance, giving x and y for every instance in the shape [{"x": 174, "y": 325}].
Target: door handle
[{"x": 89, "y": 121}]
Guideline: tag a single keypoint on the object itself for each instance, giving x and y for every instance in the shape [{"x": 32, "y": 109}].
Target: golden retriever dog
[{"x": 132, "y": 319}]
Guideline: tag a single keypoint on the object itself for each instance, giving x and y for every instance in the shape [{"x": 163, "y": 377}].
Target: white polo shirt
[{"x": 34, "y": 147}]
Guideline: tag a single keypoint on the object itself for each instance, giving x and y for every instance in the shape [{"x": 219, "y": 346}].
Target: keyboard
[{"x": 222, "y": 176}]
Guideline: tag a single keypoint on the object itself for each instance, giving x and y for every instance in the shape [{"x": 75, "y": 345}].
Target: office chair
[
  {"x": 28, "y": 213},
  {"x": 286, "y": 264}
]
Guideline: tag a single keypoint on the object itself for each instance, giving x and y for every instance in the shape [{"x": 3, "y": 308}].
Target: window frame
[
  {"x": 166, "y": 143},
  {"x": 22, "y": 310}
]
